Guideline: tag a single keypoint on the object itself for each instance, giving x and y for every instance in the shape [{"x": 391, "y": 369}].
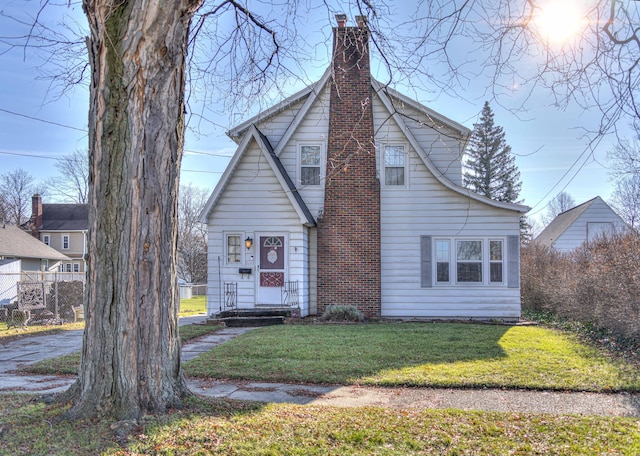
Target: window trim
[
  {"x": 485, "y": 262},
  {"x": 68, "y": 239},
  {"x": 321, "y": 165},
  {"x": 46, "y": 239},
  {"x": 227, "y": 235},
  {"x": 383, "y": 168}
]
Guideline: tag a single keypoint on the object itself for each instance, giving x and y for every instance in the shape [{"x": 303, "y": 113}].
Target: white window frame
[
  {"x": 66, "y": 237},
  {"x": 321, "y": 165},
  {"x": 76, "y": 267},
  {"x": 383, "y": 168},
  {"x": 46, "y": 239},
  {"x": 485, "y": 261},
  {"x": 240, "y": 247}
]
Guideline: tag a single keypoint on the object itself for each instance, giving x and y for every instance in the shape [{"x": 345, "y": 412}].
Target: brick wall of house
[{"x": 349, "y": 230}]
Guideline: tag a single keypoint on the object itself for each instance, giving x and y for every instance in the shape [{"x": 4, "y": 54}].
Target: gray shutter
[
  {"x": 513, "y": 258},
  {"x": 426, "y": 267}
]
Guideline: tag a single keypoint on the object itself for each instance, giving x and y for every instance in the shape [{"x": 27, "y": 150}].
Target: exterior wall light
[{"x": 248, "y": 242}]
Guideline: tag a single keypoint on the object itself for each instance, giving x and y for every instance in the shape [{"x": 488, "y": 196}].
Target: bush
[
  {"x": 598, "y": 284},
  {"x": 342, "y": 313}
]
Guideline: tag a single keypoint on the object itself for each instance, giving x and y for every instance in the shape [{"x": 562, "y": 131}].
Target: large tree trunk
[{"x": 131, "y": 350}]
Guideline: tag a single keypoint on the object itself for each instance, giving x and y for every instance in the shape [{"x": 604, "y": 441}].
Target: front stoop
[{"x": 251, "y": 317}]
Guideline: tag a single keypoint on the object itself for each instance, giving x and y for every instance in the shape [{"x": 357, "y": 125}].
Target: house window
[
  {"x": 310, "y": 161},
  {"x": 45, "y": 239},
  {"x": 234, "y": 251},
  {"x": 495, "y": 261},
  {"x": 442, "y": 260},
  {"x": 469, "y": 261},
  {"x": 450, "y": 261},
  {"x": 65, "y": 241},
  {"x": 76, "y": 267},
  {"x": 394, "y": 160}
]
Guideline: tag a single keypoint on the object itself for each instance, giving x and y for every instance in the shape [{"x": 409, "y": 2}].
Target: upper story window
[
  {"x": 234, "y": 252},
  {"x": 310, "y": 164},
  {"x": 394, "y": 164},
  {"x": 46, "y": 239},
  {"x": 65, "y": 241}
]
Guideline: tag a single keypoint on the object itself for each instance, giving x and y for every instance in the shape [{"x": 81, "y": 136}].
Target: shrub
[
  {"x": 598, "y": 284},
  {"x": 342, "y": 313}
]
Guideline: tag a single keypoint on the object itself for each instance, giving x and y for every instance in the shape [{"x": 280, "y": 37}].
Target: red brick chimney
[
  {"x": 36, "y": 215},
  {"x": 349, "y": 230}
]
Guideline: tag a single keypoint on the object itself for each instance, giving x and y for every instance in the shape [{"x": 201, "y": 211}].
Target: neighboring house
[
  {"x": 351, "y": 193},
  {"x": 583, "y": 223},
  {"x": 16, "y": 244},
  {"x": 63, "y": 227}
]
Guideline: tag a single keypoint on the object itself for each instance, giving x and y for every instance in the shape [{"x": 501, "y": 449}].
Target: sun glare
[{"x": 559, "y": 21}]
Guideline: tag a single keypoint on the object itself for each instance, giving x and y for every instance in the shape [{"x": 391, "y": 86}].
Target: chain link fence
[{"x": 34, "y": 297}]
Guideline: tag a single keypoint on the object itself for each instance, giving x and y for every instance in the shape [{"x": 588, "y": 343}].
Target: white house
[
  {"x": 583, "y": 223},
  {"x": 349, "y": 192}
]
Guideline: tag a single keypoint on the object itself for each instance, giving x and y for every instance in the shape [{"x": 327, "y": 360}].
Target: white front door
[{"x": 272, "y": 269}]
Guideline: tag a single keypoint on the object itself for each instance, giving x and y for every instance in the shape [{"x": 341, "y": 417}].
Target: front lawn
[
  {"x": 193, "y": 306},
  {"x": 218, "y": 427},
  {"x": 419, "y": 355}
]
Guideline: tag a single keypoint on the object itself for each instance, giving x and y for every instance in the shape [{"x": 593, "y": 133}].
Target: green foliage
[
  {"x": 342, "y": 313},
  {"x": 490, "y": 168},
  {"x": 417, "y": 354}
]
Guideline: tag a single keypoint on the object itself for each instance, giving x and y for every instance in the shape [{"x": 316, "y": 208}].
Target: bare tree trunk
[{"x": 131, "y": 350}]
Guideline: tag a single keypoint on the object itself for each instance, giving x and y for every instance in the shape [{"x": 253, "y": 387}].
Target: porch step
[
  {"x": 236, "y": 322},
  {"x": 276, "y": 312}
]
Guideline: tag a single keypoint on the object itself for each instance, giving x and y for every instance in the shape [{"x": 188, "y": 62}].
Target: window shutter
[
  {"x": 426, "y": 267},
  {"x": 513, "y": 256}
]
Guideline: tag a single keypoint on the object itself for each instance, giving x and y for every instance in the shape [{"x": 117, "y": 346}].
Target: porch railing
[
  {"x": 230, "y": 295},
  {"x": 289, "y": 294}
]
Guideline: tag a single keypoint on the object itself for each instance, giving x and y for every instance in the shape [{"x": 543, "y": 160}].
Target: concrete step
[{"x": 238, "y": 322}]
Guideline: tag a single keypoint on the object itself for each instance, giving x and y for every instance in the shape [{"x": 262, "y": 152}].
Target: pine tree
[{"x": 490, "y": 169}]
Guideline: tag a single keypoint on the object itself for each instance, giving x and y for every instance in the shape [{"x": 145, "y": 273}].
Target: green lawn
[
  {"x": 417, "y": 354},
  {"x": 215, "y": 427},
  {"x": 193, "y": 306}
]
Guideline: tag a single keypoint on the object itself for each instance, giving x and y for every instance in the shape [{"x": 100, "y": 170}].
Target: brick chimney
[
  {"x": 349, "y": 230},
  {"x": 36, "y": 215}
]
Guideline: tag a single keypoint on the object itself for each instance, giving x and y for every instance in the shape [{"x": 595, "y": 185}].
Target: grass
[
  {"x": 7, "y": 334},
  {"x": 230, "y": 427},
  {"x": 419, "y": 355},
  {"x": 193, "y": 306}
]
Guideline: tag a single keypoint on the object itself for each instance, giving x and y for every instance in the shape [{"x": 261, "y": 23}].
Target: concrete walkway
[{"x": 35, "y": 348}]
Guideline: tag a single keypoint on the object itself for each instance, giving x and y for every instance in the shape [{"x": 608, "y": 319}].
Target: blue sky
[{"x": 35, "y": 129}]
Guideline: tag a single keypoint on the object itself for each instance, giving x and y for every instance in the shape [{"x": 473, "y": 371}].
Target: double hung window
[
  {"x": 394, "y": 163},
  {"x": 310, "y": 164}
]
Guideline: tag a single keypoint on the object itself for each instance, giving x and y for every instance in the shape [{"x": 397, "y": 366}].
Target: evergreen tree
[{"x": 490, "y": 169}]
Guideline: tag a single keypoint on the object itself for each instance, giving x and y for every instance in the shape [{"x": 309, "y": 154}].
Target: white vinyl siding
[
  {"x": 265, "y": 208},
  {"x": 429, "y": 208},
  {"x": 597, "y": 213}
]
